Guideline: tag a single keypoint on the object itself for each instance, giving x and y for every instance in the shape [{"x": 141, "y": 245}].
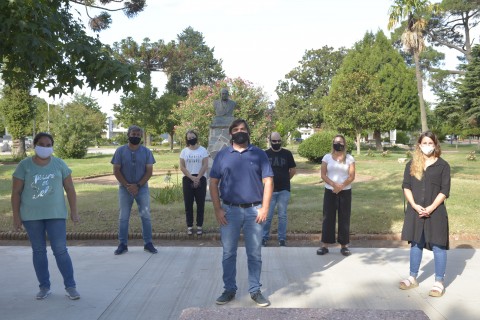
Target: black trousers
[
  {"x": 341, "y": 202},
  {"x": 191, "y": 195}
]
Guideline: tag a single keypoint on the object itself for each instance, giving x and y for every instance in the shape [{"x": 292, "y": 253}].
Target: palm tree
[{"x": 416, "y": 12}]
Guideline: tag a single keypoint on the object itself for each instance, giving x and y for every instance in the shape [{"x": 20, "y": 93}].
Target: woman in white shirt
[
  {"x": 194, "y": 165},
  {"x": 338, "y": 172}
]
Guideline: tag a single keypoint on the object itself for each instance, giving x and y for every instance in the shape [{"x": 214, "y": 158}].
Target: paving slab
[{"x": 138, "y": 285}]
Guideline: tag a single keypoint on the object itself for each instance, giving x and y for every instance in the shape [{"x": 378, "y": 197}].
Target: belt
[{"x": 242, "y": 205}]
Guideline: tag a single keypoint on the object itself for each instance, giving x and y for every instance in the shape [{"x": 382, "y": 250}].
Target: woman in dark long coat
[{"x": 426, "y": 185}]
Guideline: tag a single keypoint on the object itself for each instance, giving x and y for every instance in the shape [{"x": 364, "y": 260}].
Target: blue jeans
[
  {"x": 125, "y": 199},
  {"x": 439, "y": 257},
  {"x": 238, "y": 219},
  {"x": 57, "y": 234},
  {"x": 281, "y": 198}
]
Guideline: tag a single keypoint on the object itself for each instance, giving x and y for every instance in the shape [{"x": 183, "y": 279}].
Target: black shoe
[
  {"x": 345, "y": 251},
  {"x": 149, "y": 248},
  {"x": 282, "y": 243},
  {"x": 322, "y": 251},
  {"x": 264, "y": 242},
  {"x": 122, "y": 248},
  {"x": 226, "y": 297},
  {"x": 259, "y": 299}
]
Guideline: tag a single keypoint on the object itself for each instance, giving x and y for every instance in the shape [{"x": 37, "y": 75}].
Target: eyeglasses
[{"x": 275, "y": 141}]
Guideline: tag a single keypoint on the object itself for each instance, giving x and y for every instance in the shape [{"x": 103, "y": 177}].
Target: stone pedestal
[{"x": 218, "y": 139}]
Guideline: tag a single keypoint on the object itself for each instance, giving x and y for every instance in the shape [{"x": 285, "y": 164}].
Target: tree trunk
[
  {"x": 418, "y": 74},
  {"x": 378, "y": 139},
  {"x": 171, "y": 140},
  {"x": 359, "y": 135},
  {"x": 18, "y": 148}
]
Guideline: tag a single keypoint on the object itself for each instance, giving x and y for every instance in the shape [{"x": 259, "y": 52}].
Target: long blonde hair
[{"x": 418, "y": 161}]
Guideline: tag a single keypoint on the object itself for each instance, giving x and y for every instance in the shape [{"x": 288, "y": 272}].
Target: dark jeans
[
  {"x": 191, "y": 194},
  {"x": 341, "y": 202}
]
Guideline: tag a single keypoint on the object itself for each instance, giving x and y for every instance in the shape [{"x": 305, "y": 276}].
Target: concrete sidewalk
[{"x": 139, "y": 285}]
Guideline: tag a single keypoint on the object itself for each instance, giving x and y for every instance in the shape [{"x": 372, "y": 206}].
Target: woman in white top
[
  {"x": 338, "y": 172},
  {"x": 194, "y": 165}
]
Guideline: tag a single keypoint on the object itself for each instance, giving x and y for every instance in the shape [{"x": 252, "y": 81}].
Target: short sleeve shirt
[
  {"x": 337, "y": 171},
  {"x": 281, "y": 161},
  {"x": 133, "y": 162},
  {"x": 43, "y": 194},
  {"x": 193, "y": 158},
  {"x": 241, "y": 174}
]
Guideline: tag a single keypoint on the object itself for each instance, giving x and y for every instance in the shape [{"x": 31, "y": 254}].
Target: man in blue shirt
[
  {"x": 241, "y": 176},
  {"x": 133, "y": 167}
]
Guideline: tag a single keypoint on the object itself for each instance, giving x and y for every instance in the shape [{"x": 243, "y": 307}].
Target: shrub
[
  {"x": 471, "y": 156},
  {"x": 402, "y": 138},
  {"x": 319, "y": 144}
]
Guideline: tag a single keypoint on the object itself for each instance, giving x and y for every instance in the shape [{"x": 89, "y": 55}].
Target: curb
[{"x": 216, "y": 236}]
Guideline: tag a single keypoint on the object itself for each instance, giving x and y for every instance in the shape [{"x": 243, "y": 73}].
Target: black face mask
[
  {"x": 134, "y": 140},
  {"x": 192, "y": 142},
  {"x": 240, "y": 137},
  {"x": 338, "y": 147},
  {"x": 276, "y": 146}
]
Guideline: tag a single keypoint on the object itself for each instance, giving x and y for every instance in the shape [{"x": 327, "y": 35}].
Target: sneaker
[
  {"x": 150, "y": 248},
  {"x": 258, "y": 297},
  {"x": 72, "y": 293},
  {"x": 264, "y": 242},
  {"x": 226, "y": 297},
  {"x": 282, "y": 243},
  {"x": 43, "y": 293},
  {"x": 122, "y": 248},
  {"x": 189, "y": 231},
  {"x": 199, "y": 231}
]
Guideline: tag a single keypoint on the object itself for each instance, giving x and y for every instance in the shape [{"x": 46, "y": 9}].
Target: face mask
[
  {"x": 427, "y": 150},
  {"x": 276, "y": 146},
  {"x": 338, "y": 147},
  {"x": 192, "y": 142},
  {"x": 134, "y": 140},
  {"x": 43, "y": 152},
  {"x": 240, "y": 137}
]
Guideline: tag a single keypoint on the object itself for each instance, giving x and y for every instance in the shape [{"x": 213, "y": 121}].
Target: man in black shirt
[{"x": 283, "y": 166}]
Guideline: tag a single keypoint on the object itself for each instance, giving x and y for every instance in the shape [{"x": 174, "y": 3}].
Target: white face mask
[
  {"x": 43, "y": 152},
  {"x": 427, "y": 150}
]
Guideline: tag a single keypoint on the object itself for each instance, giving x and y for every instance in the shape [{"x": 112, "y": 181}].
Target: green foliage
[
  {"x": 196, "y": 112},
  {"x": 355, "y": 103},
  {"x": 299, "y": 95},
  {"x": 172, "y": 192},
  {"x": 43, "y": 40},
  {"x": 375, "y": 56},
  {"x": 370, "y": 153},
  {"x": 191, "y": 63},
  {"x": 402, "y": 137},
  {"x": 76, "y": 126},
  {"x": 319, "y": 144},
  {"x": 469, "y": 90}
]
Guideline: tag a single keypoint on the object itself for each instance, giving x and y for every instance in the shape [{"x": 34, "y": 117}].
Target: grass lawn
[{"x": 377, "y": 196}]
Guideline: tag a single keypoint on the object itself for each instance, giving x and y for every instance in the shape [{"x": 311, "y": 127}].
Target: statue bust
[{"x": 224, "y": 106}]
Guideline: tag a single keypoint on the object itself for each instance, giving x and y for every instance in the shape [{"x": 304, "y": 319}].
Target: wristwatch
[{"x": 138, "y": 185}]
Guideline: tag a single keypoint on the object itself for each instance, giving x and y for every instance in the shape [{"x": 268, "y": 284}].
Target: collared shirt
[{"x": 241, "y": 174}]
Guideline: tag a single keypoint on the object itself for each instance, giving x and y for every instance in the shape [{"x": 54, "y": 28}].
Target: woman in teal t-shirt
[{"x": 38, "y": 203}]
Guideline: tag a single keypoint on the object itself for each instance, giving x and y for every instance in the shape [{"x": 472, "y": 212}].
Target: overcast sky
[{"x": 258, "y": 40}]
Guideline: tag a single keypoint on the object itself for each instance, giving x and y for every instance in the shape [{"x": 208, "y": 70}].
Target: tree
[
  {"x": 417, "y": 13},
  {"x": 376, "y": 56},
  {"x": 53, "y": 50},
  {"x": 355, "y": 104},
  {"x": 469, "y": 91},
  {"x": 191, "y": 63},
  {"x": 139, "y": 107},
  {"x": 17, "y": 109},
  {"x": 103, "y": 20},
  {"x": 196, "y": 112},
  {"x": 299, "y": 95},
  {"x": 76, "y": 126}
]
